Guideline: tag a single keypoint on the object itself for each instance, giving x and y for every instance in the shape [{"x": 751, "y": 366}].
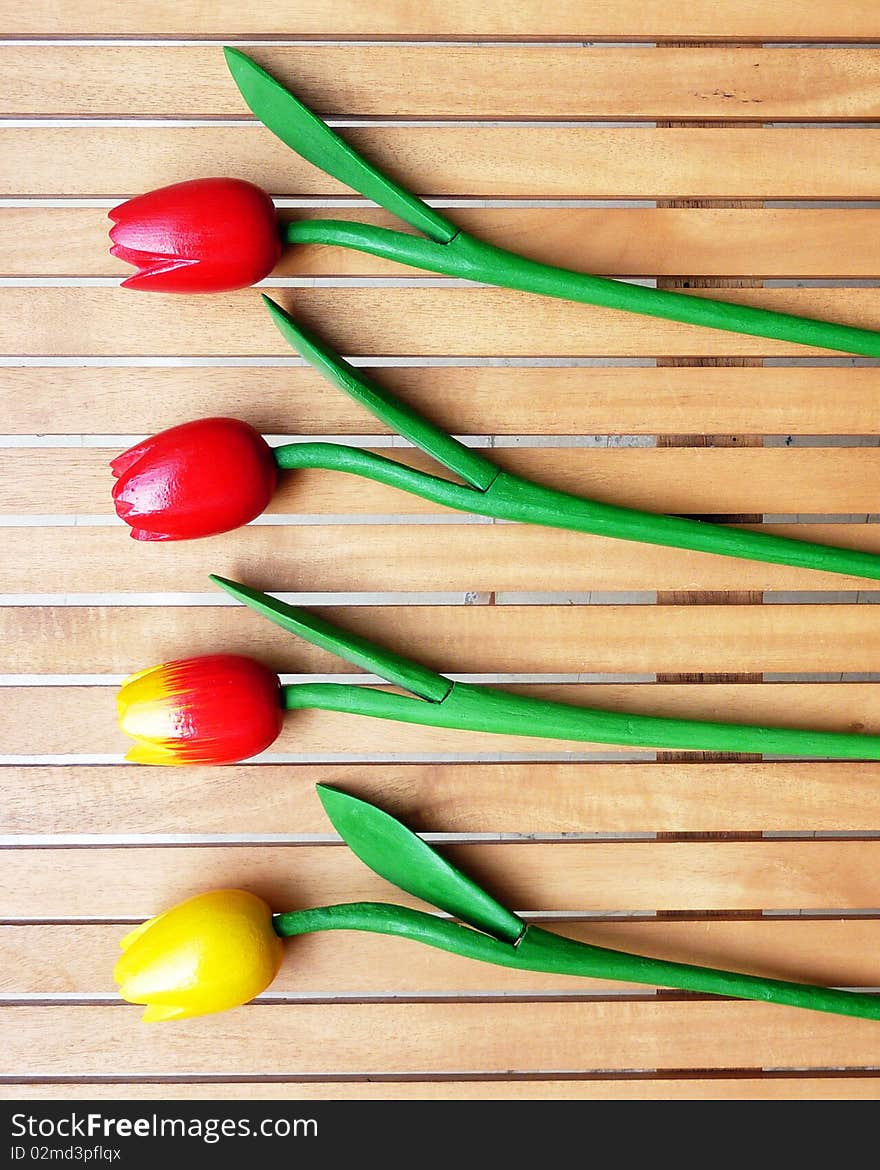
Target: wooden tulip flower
[
  {"x": 177, "y": 718},
  {"x": 219, "y": 950},
  {"x": 196, "y": 479},
  {"x": 206, "y": 235},
  {"x": 210, "y": 953},
  {"x": 210, "y": 476},
  {"x": 445, "y": 248},
  {"x": 211, "y": 710}
]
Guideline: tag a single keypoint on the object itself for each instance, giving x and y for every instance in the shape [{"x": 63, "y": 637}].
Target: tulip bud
[
  {"x": 196, "y": 479},
  {"x": 218, "y": 709},
  {"x": 205, "y": 235},
  {"x": 214, "y": 951}
]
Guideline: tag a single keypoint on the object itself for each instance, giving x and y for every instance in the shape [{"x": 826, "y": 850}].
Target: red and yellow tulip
[
  {"x": 217, "y": 709},
  {"x": 213, "y": 952}
]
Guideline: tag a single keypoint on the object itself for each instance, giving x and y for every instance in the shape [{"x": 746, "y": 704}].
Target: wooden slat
[
  {"x": 595, "y": 19},
  {"x": 392, "y": 321},
  {"x": 528, "y": 876},
  {"x": 706, "y": 480},
  {"x": 532, "y": 161},
  {"x": 448, "y": 81},
  {"x": 615, "y": 241},
  {"x": 77, "y": 960},
  {"x": 465, "y": 639},
  {"x": 310, "y": 558},
  {"x": 80, "y": 720},
  {"x": 479, "y": 798},
  {"x": 412, "y": 1038},
  {"x": 735, "y": 1088},
  {"x": 464, "y": 400}
]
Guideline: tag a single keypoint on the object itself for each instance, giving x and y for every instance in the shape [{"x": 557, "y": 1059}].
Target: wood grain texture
[
  {"x": 703, "y": 480},
  {"x": 547, "y": 639},
  {"x": 605, "y": 876},
  {"x": 472, "y": 321},
  {"x": 359, "y": 1039},
  {"x": 77, "y": 960},
  {"x": 734, "y": 1088},
  {"x": 552, "y": 162},
  {"x": 597, "y": 19},
  {"x": 464, "y": 400},
  {"x": 73, "y": 721},
  {"x": 613, "y": 241},
  {"x": 444, "y": 798},
  {"x": 448, "y": 81},
  {"x": 369, "y": 558}
]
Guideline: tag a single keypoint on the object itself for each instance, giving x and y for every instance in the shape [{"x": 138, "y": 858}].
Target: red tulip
[
  {"x": 206, "y": 235},
  {"x": 197, "y": 479},
  {"x": 213, "y": 710}
]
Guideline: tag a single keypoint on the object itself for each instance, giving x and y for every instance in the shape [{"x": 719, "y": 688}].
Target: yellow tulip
[{"x": 214, "y": 951}]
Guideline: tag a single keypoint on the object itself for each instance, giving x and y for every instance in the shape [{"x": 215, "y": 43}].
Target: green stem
[
  {"x": 484, "y": 708},
  {"x": 464, "y": 256},
  {"x": 511, "y": 498},
  {"x": 541, "y": 950}
]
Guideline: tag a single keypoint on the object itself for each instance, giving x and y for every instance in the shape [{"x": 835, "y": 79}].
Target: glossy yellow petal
[
  {"x": 156, "y": 1015},
  {"x": 125, "y": 943},
  {"x": 144, "y": 752},
  {"x": 138, "y": 674},
  {"x": 212, "y": 952}
]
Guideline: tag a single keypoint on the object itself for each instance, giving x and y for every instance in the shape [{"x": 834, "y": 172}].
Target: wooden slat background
[{"x": 539, "y": 136}]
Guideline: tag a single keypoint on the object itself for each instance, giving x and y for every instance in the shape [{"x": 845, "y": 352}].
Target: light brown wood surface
[
  {"x": 763, "y": 866},
  {"x": 540, "y": 798},
  {"x": 642, "y": 19},
  {"x": 409, "y": 557},
  {"x": 538, "y": 162},
  {"x": 501, "y": 639},
  {"x": 449, "y": 81},
  {"x": 477, "y": 321},
  {"x": 513, "y": 400}
]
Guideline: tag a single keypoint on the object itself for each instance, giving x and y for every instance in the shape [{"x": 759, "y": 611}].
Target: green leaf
[
  {"x": 397, "y": 854},
  {"x": 305, "y": 133}
]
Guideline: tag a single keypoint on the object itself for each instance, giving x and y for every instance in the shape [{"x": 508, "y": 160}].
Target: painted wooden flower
[
  {"x": 192, "y": 480},
  {"x": 226, "y": 708},
  {"x": 212, "y": 475},
  {"x": 176, "y": 252},
  {"x": 205, "y": 235},
  {"x": 216, "y": 709},
  {"x": 219, "y": 950},
  {"x": 213, "y": 952}
]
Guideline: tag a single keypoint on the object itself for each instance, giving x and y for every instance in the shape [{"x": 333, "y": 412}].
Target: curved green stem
[
  {"x": 464, "y": 256},
  {"x": 485, "y": 708},
  {"x": 509, "y": 497},
  {"x": 541, "y": 950}
]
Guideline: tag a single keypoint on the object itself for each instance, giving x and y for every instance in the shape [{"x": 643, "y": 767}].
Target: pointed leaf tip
[{"x": 400, "y": 856}]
